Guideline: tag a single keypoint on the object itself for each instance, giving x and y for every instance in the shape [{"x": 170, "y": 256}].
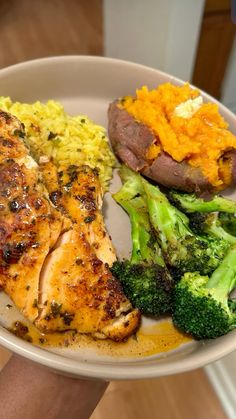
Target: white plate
[{"x": 87, "y": 85}]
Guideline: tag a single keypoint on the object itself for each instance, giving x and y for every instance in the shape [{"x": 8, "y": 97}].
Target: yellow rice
[{"x": 67, "y": 139}]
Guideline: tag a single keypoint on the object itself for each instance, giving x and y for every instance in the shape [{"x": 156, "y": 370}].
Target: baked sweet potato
[{"x": 131, "y": 140}]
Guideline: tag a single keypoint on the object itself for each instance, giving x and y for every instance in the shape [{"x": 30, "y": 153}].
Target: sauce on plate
[{"x": 149, "y": 340}]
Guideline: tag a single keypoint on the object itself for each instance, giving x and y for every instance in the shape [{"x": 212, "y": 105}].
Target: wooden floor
[
  {"x": 183, "y": 396},
  {"x": 38, "y": 28}
]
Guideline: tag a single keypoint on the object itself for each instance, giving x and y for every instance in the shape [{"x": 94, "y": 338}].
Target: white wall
[
  {"x": 159, "y": 33},
  {"x": 229, "y": 85}
]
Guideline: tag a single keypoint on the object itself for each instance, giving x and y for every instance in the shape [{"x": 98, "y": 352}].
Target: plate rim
[{"x": 105, "y": 370}]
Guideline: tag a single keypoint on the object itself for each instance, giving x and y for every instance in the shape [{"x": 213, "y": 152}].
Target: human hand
[{"x": 30, "y": 391}]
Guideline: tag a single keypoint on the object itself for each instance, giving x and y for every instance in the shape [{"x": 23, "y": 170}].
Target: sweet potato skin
[
  {"x": 167, "y": 172},
  {"x": 131, "y": 140}
]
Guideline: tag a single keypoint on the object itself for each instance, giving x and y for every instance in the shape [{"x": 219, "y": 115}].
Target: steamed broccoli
[
  {"x": 145, "y": 279},
  {"x": 182, "y": 249},
  {"x": 228, "y": 222},
  {"x": 201, "y": 304},
  {"x": 148, "y": 287},
  {"x": 209, "y": 223},
  {"x": 232, "y": 304},
  {"x": 198, "y": 210},
  {"x": 191, "y": 203}
]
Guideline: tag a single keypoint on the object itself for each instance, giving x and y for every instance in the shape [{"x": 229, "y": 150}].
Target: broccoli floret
[
  {"x": 182, "y": 249},
  {"x": 191, "y": 203},
  {"x": 228, "y": 222},
  {"x": 209, "y": 223},
  {"x": 145, "y": 278},
  {"x": 148, "y": 287},
  {"x": 201, "y": 304},
  {"x": 144, "y": 242},
  {"x": 201, "y": 219},
  {"x": 232, "y": 305}
]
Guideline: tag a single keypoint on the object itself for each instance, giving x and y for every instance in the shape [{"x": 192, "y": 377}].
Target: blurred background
[{"x": 192, "y": 39}]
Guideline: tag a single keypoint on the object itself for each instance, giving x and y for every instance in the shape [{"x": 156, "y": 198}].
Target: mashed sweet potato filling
[{"x": 201, "y": 139}]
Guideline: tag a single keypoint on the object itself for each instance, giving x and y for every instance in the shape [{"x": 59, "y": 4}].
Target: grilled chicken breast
[
  {"x": 77, "y": 192},
  {"x": 29, "y": 225},
  {"x": 49, "y": 262},
  {"x": 88, "y": 251},
  {"x": 79, "y": 292}
]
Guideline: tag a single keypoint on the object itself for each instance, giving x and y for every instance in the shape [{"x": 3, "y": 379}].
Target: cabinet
[{"x": 214, "y": 47}]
